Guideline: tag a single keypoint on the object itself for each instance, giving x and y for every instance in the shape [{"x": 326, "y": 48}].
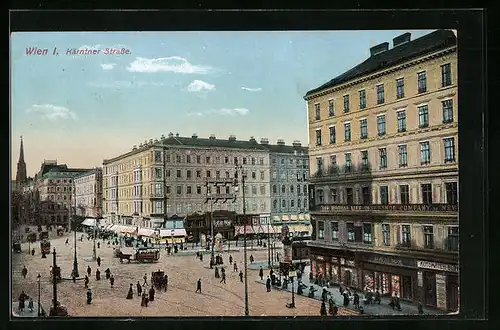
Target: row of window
[
  {"x": 285, "y": 203},
  {"x": 425, "y": 156},
  {"x": 291, "y": 189},
  {"x": 207, "y": 159},
  {"x": 400, "y": 92},
  {"x": 365, "y": 197},
  {"x": 364, "y": 234},
  {"x": 60, "y": 181},
  {"x": 423, "y": 121},
  {"x": 298, "y": 162}
]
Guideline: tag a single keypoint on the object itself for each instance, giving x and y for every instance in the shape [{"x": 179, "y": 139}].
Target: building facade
[
  {"x": 88, "y": 193},
  {"x": 179, "y": 174},
  {"x": 384, "y": 172},
  {"x": 55, "y": 186}
]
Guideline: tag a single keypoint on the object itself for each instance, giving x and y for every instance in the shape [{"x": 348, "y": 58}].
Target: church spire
[{"x": 21, "y": 176}]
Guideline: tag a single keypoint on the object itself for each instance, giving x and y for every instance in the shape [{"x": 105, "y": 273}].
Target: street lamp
[
  {"x": 38, "y": 278},
  {"x": 75, "y": 261},
  {"x": 291, "y": 274},
  {"x": 243, "y": 176},
  {"x": 268, "y": 244},
  {"x": 212, "y": 240}
]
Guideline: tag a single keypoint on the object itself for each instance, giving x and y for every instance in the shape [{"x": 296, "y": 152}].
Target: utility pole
[
  {"x": 54, "y": 285},
  {"x": 243, "y": 176}
]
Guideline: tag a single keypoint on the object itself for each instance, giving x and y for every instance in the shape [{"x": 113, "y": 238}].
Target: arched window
[{"x": 275, "y": 204}]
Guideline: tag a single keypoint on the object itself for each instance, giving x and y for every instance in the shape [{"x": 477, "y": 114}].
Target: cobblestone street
[{"x": 216, "y": 299}]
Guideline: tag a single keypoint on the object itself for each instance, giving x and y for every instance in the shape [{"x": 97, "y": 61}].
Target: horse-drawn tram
[
  {"x": 45, "y": 246},
  {"x": 141, "y": 255}
]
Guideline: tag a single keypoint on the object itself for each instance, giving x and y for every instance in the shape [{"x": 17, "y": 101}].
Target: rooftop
[
  {"x": 437, "y": 40},
  {"x": 86, "y": 173},
  {"x": 212, "y": 142}
]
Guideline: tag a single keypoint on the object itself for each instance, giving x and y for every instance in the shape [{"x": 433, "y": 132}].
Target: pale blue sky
[{"x": 80, "y": 109}]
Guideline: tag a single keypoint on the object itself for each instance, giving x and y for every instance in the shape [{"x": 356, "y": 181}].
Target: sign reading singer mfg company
[
  {"x": 390, "y": 207},
  {"x": 437, "y": 266}
]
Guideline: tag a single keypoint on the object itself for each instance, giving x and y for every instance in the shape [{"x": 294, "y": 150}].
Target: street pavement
[{"x": 216, "y": 299}]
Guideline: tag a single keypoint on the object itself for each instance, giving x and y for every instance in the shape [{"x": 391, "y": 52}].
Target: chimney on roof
[
  {"x": 212, "y": 137},
  {"x": 280, "y": 142},
  {"x": 176, "y": 134},
  {"x": 163, "y": 137},
  {"x": 194, "y": 136},
  {"x": 170, "y": 134},
  {"x": 402, "y": 39},
  {"x": 380, "y": 48},
  {"x": 296, "y": 143},
  {"x": 232, "y": 137},
  {"x": 252, "y": 139},
  {"x": 264, "y": 141},
  {"x": 134, "y": 147}
]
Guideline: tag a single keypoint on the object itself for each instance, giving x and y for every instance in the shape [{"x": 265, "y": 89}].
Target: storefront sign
[
  {"x": 441, "y": 291},
  {"x": 392, "y": 261},
  {"x": 437, "y": 266},
  {"x": 420, "y": 279},
  {"x": 390, "y": 207}
]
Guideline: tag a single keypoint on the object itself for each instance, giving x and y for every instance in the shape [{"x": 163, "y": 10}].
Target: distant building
[
  {"x": 88, "y": 193},
  {"x": 173, "y": 175},
  {"x": 384, "y": 172},
  {"x": 21, "y": 175},
  {"x": 55, "y": 185}
]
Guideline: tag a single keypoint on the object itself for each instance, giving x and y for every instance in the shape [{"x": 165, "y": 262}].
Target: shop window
[
  {"x": 358, "y": 234},
  {"x": 405, "y": 236},
  {"x": 366, "y": 195},
  {"x": 321, "y": 230},
  {"x": 452, "y": 238},
  {"x": 386, "y": 234},
  {"x": 349, "y": 196}
]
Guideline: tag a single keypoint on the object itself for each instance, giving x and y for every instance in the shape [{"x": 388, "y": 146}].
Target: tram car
[
  {"x": 147, "y": 255},
  {"x": 43, "y": 235},
  {"x": 158, "y": 280},
  {"x": 45, "y": 246}
]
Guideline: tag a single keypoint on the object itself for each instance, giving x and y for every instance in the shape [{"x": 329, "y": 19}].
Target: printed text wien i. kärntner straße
[{"x": 78, "y": 51}]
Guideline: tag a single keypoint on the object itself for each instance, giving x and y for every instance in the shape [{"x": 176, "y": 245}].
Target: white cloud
[
  {"x": 199, "y": 86},
  {"x": 222, "y": 112},
  {"x": 258, "y": 89},
  {"x": 124, "y": 84},
  {"x": 108, "y": 66},
  {"x": 166, "y": 64},
  {"x": 52, "y": 112}
]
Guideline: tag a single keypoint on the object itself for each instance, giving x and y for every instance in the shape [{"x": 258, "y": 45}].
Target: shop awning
[
  {"x": 146, "y": 232},
  {"x": 178, "y": 232},
  {"x": 285, "y": 217},
  {"x": 294, "y": 217},
  {"x": 301, "y": 217},
  {"x": 240, "y": 230},
  {"x": 258, "y": 230},
  {"x": 108, "y": 227},
  {"x": 128, "y": 229},
  {"x": 89, "y": 222},
  {"x": 276, "y": 218},
  {"x": 307, "y": 217},
  {"x": 300, "y": 228}
]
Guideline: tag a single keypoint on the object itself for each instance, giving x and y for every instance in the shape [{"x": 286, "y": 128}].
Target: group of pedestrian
[{"x": 22, "y": 302}]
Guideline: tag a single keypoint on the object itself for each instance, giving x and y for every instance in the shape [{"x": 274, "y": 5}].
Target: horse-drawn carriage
[
  {"x": 17, "y": 247},
  {"x": 159, "y": 280},
  {"x": 141, "y": 255},
  {"x": 60, "y": 230},
  {"x": 123, "y": 256}
]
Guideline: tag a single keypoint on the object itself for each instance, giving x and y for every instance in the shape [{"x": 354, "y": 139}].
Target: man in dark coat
[
  {"x": 130, "y": 293},
  {"x": 223, "y": 279},
  {"x": 24, "y": 272},
  {"x": 165, "y": 282},
  {"x": 139, "y": 289},
  {"x": 89, "y": 297},
  {"x": 152, "y": 294},
  {"x": 355, "y": 301},
  {"x": 86, "y": 282},
  {"x": 108, "y": 273},
  {"x": 198, "y": 286},
  {"x": 112, "y": 280},
  {"x": 99, "y": 261},
  {"x": 216, "y": 272},
  {"x": 261, "y": 273},
  {"x": 268, "y": 284},
  {"x": 323, "y": 309},
  {"x": 33, "y": 252},
  {"x": 89, "y": 270},
  {"x": 241, "y": 276},
  {"x": 98, "y": 275}
]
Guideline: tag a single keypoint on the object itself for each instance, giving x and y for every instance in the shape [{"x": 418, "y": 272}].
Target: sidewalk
[{"x": 407, "y": 308}]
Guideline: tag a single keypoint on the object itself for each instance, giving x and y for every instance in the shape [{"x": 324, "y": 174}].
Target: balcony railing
[
  {"x": 340, "y": 171},
  {"x": 388, "y": 207}
]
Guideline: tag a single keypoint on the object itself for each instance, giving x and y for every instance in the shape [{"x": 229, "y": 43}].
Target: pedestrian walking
[
  {"x": 86, "y": 282},
  {"x": 33, "y": 252},
  {"x": 89, "y": 270},
  {"x": 139, "y": 289},
  {"x": 216, "y": 272},
  {"x": 145, "y": 277},
  {"x": 24, "y": 272},
  {"x": 251, "y": 259},
  {"x": 112, "y": 280},
  {"x": 67, "y": 241},
  {"x": 235, "y": 267},
  {"x": 144, "y": 300},
  {"x": 73, "y": 277},
  {"x": 261, "y": 273},
  {"x": 98, "y": 245},
  {"x": 420, "y": 308},
  {"x": 230, "y": 259},
  {"x": 152, "y": 293},
  {"x": 97, "y": 275},
  {"x": 98, "y": 261},
  {"x": 198, "y": 286},
  {"x": 241, "y": 276},
  {"x": 130, "y": 293},
  {"x": 22, "y": 298},
  {"x": 89, "y": 297},
  {"x": 355, "y": 301},
  {"x": 165, "y": 282},
  {"x": 323, "y": 309},
  {"x": 268, "y": 284},
  {"x": 223, "y": 278},
  {"x": 30, "y": 305}
]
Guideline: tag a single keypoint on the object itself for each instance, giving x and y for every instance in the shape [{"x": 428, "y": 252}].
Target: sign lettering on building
[
  {"x": 222, "y": 223},
  {"x": 390, "y": 207},
  {"x": 392, "y": 261},
  {"x": 437, "y": 266},
  {"x": 441, "y": 291}
]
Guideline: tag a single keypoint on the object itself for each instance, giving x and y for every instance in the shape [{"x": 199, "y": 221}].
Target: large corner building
[{"x": 384, "y": 172}]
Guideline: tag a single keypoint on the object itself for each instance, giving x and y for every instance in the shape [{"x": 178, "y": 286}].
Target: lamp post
[
  {"x": 75, "y": 261},
  {"x": 54, "y": 284},
  {"x": 268, "y": 244},
  {"x": 94, "y": 252},
  {"x": 291, "y": 274},
  {"x": 212, "y": 237},
  {"x": 243, "y": 175},
  {"x": 38, "y": 278}
]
